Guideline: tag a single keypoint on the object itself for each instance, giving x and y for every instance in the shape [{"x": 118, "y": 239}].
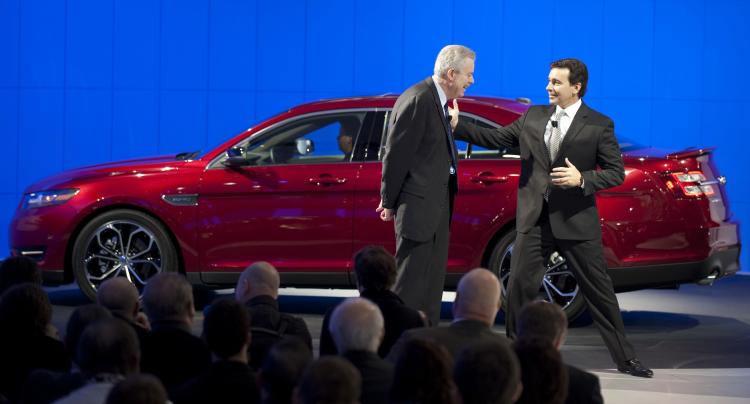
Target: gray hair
[
  {"x": 357, "y": 324},
  {"x": 452, "y": 57},
  {"x": 167, "y": 296}
]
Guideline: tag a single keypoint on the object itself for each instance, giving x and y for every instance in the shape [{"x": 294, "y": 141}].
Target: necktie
[
  {"x": 451, "y": 142},
  {"x": 555, "y": 137}
]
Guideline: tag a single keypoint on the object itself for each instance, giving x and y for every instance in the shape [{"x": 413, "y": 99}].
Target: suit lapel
[
  {"x": 433, "y": 89},
  {"x": 575, "y": 127}
]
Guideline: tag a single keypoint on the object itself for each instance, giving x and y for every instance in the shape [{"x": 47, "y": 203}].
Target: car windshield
[{"x": 627, "y": 145}]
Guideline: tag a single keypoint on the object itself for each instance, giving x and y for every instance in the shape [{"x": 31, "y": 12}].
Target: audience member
[
  {"x": 546, "y": 323},
  {"x": 120, "y": 297},
  {"x": 25, "y": 341},
  {"x": 282, "y": 370},
  {"x": 423, "y": 374},
  {"x": 488, "y": 373},
  {"x": 138, "y": 389},
  {"x": 375, "y": 270},
  {"x": 357, "y": 328},
  {"x": 107, "y": 352},
  {"x": 171, "y": 352},
  {"x": 258, "y": 289},
  {"x": 329, "y": 380},
  {"x": 226, "y": 329},
  {"x": 543, "y": 373},
  {"x": 474, "y": 310},
  {"x": 82, "y": 317},
  {"x": 17, "y": 270}
]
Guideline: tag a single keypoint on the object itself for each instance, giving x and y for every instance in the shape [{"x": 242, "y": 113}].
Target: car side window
[{"x": 318, "y": 139}]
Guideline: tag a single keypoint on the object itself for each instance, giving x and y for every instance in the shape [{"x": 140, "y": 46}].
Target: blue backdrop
[{"x": 87, "y": 81}]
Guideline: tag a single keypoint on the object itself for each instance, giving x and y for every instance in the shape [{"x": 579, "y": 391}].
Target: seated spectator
[
  {"x": 107, "y": 352},
  {"x": 357, "y": 328},
  {"x": 171, "y": 352},
  {"x": 226, "y": 329},
  {"x": 120, "y": 297},
  {"x": 45, "y": 386},
  {"x": 138, "y": 389},
  {"x": 282, "y": 369},
  {"x": 329, "y": 380},
  {"x": 258, "y": 289},
  {"x": 474, "y": 310},
  {"x": 25, "y": 341},
  {"x": 375, "y": 269},
  {"x": 546, "y": 323},
  {"x": 423, "y": 374},
  {"x": 543, "y": 373},
  {"x": 17, "y": 270},
  {"x": 488, "y": 373}
]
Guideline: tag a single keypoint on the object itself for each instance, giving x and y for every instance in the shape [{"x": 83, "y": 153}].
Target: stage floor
[{"x": 697, "y": 339}]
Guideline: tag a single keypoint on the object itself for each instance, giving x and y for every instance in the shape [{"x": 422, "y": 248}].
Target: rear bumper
[{"x": 721, "y": 263}]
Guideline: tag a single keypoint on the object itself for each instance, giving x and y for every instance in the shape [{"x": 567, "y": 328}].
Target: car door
[{"x": 291, "y": 205}]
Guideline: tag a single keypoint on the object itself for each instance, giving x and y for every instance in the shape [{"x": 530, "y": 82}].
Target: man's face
[
  {"x": 460, "y": 80},
  {"x": 345, "y": 143},
  {"x": 559, "y": 89}
]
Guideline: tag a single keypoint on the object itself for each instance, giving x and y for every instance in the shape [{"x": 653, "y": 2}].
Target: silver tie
[{"x": 555, "y": 137}]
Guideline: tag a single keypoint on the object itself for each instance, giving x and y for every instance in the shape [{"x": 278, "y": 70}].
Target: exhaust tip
[{"x": 710, "y": 279}]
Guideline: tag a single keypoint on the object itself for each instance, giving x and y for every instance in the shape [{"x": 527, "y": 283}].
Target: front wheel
[
  {"x": 558, "y": 285},
  {"x": 123, "y": 243}
]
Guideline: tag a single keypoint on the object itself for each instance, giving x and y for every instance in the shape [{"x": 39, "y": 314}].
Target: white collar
[
  {"x": 571, "y": 109},
  {"x": 441, "y": 93}
]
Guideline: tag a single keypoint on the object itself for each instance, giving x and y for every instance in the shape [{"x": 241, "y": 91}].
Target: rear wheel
[
  {"x": 123, "y": 243},
  {"x": 558, "y": 284}
]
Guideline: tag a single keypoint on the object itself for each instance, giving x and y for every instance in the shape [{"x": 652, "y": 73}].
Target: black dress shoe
[{"x": 634, "y": 367}]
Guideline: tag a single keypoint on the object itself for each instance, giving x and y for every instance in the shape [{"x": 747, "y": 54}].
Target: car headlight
[{"x": 48, "y": 198}]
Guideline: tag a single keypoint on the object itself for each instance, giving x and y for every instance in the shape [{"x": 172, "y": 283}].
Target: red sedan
[{"x": 300, "y": 190}]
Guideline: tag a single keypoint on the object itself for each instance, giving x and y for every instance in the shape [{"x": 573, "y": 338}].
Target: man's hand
[
  {"x": 386, "y": 215},
  {"x": 453, "y": 112},
  {"x": 566, "y": 177}
]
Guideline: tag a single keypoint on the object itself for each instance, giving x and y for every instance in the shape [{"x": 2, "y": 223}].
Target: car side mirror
[{"x": 235, "y": 157}]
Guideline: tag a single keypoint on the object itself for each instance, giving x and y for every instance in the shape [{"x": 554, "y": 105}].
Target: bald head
[
  {"x": 120, "y": 296},
  {"x": 259, "y": 279},
  {"x": 477, "y": 296},
  {"x": 168, "y": 296},
  {"x": 357, "y": 324}
]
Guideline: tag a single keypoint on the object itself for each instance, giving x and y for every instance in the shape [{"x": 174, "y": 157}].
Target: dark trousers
[
  {"x": 586, "y": 260},
  {"x": 421, "y": 269}
]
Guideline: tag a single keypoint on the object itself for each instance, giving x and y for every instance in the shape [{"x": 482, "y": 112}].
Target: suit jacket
[
  {"x": 589, "y": 143},
  {"x": 455, "y": 337},
  {"x": 264, "y": 313},
  {"x": 377, "y": 376},
  {"x": 416, "y": 167},
  {"x": 583, "y": 387},
  {"x": 223, "y": 382},
  {"x": 398, "y": 318},
  {"x": 174, "y": 355}
]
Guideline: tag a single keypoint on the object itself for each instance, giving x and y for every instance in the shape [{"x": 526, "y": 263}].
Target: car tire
[
  {"x": 124, "y": 243},
  {"x": 559, "y": 283}
]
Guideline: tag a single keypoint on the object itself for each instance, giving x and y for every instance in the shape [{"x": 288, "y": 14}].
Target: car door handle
[
  {"x": 326, "y": 180},
  {"x": 488, "y": 178}
]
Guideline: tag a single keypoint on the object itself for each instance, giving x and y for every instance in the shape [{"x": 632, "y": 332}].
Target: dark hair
[
  {"x": 423, "y": 374},
  {"x": 25, "y": 310},
  {"x": 330, "y": 380},
  {"x": 17, "y": 270},
  {"x": 81, "y": 318},
  {"x": 108, "y": 346},
  {"x": 375, "y": 268},
  {"x": 226, "y": 327},
  {"x": 283, "y": 367},
  {"x": 487, "y": 372},
  {"x": 542, "y": 321},
  {"x": 138, "y": 388},
  {"x": 543, "y": 373},
  {"x": 578, "y": 72}
]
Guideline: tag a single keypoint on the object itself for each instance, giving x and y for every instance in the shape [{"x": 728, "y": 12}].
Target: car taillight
[{"x": 691, "y": 184}]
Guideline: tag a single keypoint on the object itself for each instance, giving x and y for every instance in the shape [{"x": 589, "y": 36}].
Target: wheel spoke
[{"x": 106, "y": 274}]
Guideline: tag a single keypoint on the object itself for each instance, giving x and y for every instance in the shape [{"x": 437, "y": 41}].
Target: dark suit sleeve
[
  {"x": 494, "y": 138},
  {"x": 406, "y": 132},
  {"x": 609, "y": 159}
]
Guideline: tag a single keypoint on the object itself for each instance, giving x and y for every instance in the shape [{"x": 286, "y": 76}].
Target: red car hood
[{"x": 111, "y": 169}]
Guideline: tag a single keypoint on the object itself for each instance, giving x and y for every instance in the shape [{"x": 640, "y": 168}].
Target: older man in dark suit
[
  {"x": 561, "y": 147},
  {"x": 474, "y": 310},
  {"x": 419, "y": 178}
]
